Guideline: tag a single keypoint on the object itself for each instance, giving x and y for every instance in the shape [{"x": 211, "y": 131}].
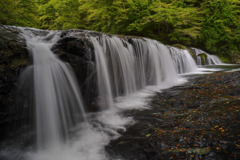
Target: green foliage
[
  {"x": 6, "y": 11},
  {"x": 18, "y": 12},
  {"x": 212, "y": 25},
  {"x": 182, "y": 24},
  {"x": 221, "y": 28},
  {"x": 57, "y": 14}
]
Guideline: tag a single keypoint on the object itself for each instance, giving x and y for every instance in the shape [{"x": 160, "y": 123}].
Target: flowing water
[
  {"x": 184, "y": 63},
  {"x": 104, "y": 86},
  {"x": 123, "y": 68},
  {"x": 58, "y": 102},
  {"x": 210, "y": 59},
  {"x": 128, "y": 71}
]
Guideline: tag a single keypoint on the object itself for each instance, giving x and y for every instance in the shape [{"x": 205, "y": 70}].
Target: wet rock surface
[
  {"x": 198, "y": 120},
  {"x": 13, "y": 59},
  {"x": 74, "y": 48}
]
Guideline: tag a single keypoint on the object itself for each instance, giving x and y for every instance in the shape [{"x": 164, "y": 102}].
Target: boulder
[{"x": 74, "y": 48}]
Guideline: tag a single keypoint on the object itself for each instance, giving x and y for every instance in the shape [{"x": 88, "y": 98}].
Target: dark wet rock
[
  {"x": 74, "y": 48},
  {"x": 13, "y": 59},
  {"x": 213, "y": 155},
  {"x": 198, "y": 120}
]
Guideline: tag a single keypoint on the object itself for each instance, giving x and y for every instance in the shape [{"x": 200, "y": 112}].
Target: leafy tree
[
  {"x": 57, "y": 14},
  {"x": 18, "y": 12},
  {"x": 221, "y": 28},
  {"x": 7, "y": 12}
]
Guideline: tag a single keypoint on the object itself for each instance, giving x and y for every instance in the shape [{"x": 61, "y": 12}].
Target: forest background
[{"x": 212, "y": 25}]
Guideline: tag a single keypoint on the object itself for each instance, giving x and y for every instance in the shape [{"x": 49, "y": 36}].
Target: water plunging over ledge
[
  {"x": 58, "y": 102},
  {"x": 126, "y": 71},
  {"x": 184, "y": 63},
  {"x": 209, "y": 60}
]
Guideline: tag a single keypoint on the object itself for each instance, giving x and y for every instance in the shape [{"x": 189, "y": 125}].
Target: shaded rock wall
[
  {"x": 13, "y": 58},
  {"x": 78, "y": 51}
]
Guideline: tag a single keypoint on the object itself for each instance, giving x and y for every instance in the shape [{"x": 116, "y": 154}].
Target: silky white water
[
  {"x": 103, "y": 79},
  {"x": 210, "y": 59},
  {"x": 57, "y": 99},
  {"x": 183, "y": 61},
  {"x": 123, "y": 67},
  {"x": 121, "y": 64}
]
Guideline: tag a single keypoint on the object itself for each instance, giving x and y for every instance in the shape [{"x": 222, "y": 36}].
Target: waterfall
[
  {"x": 209, "y": 60},
  {"x": 121, "y": 60},
  {"x": 57, "y": 98},
  {"x": 165, "y": 72},
  {"x": 123, "y": 71},
  {"x": 127, "y": 65},
  {"x": 104, "y": 87},
  {"x": 183, "y": 60},
  {"x": 212, "y": 59},
  {"x": 199, "y": 60}
]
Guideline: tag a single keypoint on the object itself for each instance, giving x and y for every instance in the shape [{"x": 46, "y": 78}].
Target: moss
[
  {"x": 18, "y": 62},
  {"x": 180, "y": 46},
  {"x": 192, "y": 54},
  {"x": 203, "y": 58}
]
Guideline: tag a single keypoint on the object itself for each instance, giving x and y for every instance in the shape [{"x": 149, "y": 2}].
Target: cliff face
[{"x": 13, "y": 58}]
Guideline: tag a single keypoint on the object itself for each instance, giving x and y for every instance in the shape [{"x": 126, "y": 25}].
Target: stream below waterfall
[{"x": 65, "y": 131}]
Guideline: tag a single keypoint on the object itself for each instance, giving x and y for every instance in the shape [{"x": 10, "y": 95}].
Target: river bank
[{"x": 197, "y": 120}]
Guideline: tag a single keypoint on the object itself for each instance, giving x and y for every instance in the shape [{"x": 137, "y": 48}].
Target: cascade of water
[
  {"x": 183, "y": 60},
  {"x": 165, "y": 72},
  {"x": 210, "y": 59},
  {"x": 199, "y": 60},
  {"x": 57, "y": 98},
  {"x": 123, "y": 67},
  {"x": 141, "y": 53},
  {"x": 103, "y": 78},
  {"x": 122, "y": 63}
]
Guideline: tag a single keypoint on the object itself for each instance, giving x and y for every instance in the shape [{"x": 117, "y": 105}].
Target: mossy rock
[
  {"x": 203, "y": 57},
  {"x": 192, "y": 54},
  {"x": 180, "y": 46}
]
